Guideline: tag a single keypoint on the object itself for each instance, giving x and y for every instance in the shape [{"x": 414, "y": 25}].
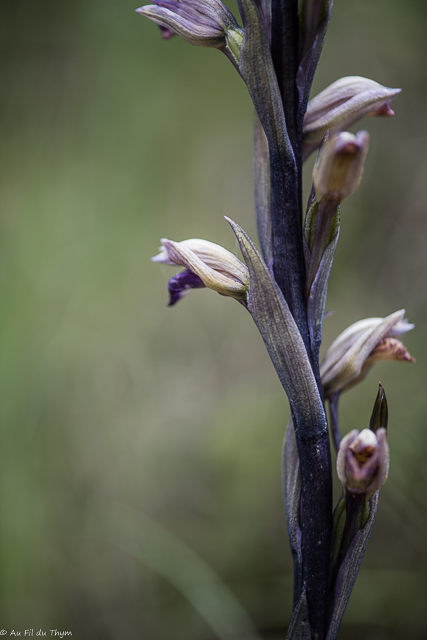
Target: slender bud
[
  {"x": 206, "y": 264},
  {"x": 379, "y": 417},
  {"x": 342, "y": 104},
  {"x": 339, "y": 166},
  {"x": 352, "y": 354},
  {"x": 204, "y": 23},
  {"x": 363, "y": 461}
]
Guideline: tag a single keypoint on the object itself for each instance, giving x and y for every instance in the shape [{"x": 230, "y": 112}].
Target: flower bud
[
  {"x": 379, "y": 416},
  {"x": 356, "y": 349},
  {"x": 342, "y": 104},
  {"x": 204, "y": 23},
  {"x": 363, "y": 461},
  {"x": 339, "y": 166},
  {"x": 207, "y": 264}
]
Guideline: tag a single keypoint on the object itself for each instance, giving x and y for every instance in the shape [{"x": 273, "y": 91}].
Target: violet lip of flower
[
  {"x": 339, "y": 166},
  {"x": 342, "y": 104},
  {"x": 204, "y": 23},
  {"x": 206, "y": 265},
  {"x": 363, "y": 461}
]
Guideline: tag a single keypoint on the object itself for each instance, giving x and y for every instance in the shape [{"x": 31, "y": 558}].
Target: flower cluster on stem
[{"x": 284, "y": 285}]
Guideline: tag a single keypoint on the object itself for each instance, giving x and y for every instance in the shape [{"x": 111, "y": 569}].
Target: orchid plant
[{"x": 284, "y": 284}]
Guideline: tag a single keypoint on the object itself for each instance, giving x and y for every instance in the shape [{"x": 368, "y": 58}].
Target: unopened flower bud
[
  {"x": 379, "y": 416},
  {"x": 207, "y": 264},
  {"x": 363, "y": 461},
  {"x": 342, "y": 104},
  {"x": 356, "y": 349},
  {"x": 339, "y": 167},
  {"x": 204, "y": 23}
]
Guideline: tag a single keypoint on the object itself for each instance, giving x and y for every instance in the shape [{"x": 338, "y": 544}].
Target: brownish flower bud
[
  {"x": 363, "y": 461},
  {"x": 338, "y": 169}
]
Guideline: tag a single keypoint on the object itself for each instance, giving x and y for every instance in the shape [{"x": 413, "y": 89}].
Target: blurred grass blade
[
  {"x": 299, "y": 627},
  {"x": 164, "y": 553},
  {"x": 263, "y": 192},
  {"x": 349, "y": 569}
]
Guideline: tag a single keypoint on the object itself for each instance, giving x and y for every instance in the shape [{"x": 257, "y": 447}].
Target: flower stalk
[{"x": 284, "y": 288}]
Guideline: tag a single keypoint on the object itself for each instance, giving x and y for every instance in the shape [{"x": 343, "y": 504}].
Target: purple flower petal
[
  {"x": 166, "y": 33},
  {"x": 191, "y": 11},
  {"x": 181, "y": 284}
]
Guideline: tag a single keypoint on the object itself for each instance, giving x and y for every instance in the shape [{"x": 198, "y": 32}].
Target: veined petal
[
  {"x": 197, "y": 34},
  {"x": 212, "y": 254},
  {"x": 350, "y": 356},
  {"x": 217, "y": 268},
  {"x": 342, "y": 104},
  {"x": 212, "y": 279},
  {"x": 348, "y": 337},
  {"x": 205, "y": 23},
  {"x": 341, "y": 91}
]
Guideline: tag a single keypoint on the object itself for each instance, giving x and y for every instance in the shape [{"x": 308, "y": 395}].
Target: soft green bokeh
[{"x": 140, "y": 445}]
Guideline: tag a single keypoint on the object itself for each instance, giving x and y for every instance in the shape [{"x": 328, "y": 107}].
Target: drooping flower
[
  {"x": 363, "y": 461},
  {"x": 206, "y": 265},
  {"x": 339, "y": 166},
  {"x": 356, "y": 349},
  {"x": 204, "y": 23},
  {"x": 342, "y": 104}
]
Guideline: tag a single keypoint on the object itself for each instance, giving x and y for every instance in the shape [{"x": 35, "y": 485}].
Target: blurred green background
[{"x": 140, "y": 445}]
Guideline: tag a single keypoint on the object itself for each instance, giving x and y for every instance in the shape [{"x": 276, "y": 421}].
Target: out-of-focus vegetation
[{"x": 140, "y": 445}]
